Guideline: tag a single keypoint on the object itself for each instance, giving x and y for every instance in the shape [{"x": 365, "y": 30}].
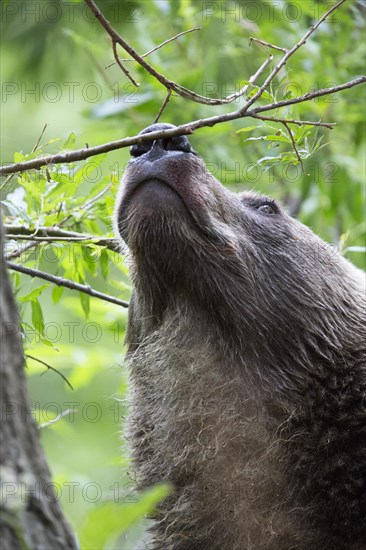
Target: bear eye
[{"x": 267, "y": 208}]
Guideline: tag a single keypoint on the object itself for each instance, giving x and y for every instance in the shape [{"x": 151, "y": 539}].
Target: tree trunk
[{"x": 31, "y": 517}]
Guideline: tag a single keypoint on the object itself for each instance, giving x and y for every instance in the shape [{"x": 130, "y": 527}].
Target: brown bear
[{"x": 246, "y": 347}]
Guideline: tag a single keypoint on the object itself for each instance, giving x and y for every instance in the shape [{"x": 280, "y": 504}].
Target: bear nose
[{"x": 177, "y": 143}]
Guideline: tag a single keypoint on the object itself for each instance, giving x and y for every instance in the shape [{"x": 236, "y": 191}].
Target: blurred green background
[{"x": 53, "y": 71}]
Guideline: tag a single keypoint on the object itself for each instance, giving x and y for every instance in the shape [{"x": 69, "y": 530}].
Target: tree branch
[
  {"x": 189, "y": 94},
  {"x": 267, "y": 44},
  {"x": 163, "y": 44},
  {"x": 52, "y": 234},
  {"x": 20, "y": 251},
  {"x": 308, "y": 96},
  {"x": 251, "y": 81},
  {"x": 294, "y": 146},
  {"x": 287, "y": 56},
  {"x": 39, "y": 139},
  {"x": 169, "y": 84},
  {"x": 188, "y": 128},
  {"x": 120, "y": 65},
  {"x": 49, "y": 368},
  {"x": 59, "y": 281},
  {"x": 329, "y": 125},
  {"x": 163, "y": 106},
  {"x": 184, "y": 129}
]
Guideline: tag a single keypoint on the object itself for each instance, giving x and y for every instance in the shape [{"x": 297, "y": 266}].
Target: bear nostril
[
  {"x": 176, "y": 143},
  {"x": 179, "y": 143},
  {"x": 140, "y": 148}
]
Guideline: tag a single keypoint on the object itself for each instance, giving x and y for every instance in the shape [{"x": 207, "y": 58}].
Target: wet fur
[{"x": 248, "y": 382}]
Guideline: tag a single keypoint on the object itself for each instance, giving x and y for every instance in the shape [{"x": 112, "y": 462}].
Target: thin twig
[
  {"x": 263, "y": 43},
  {"x": 251, "y": 81},
  {"x": 120, "y": 65},
  {"x": 23, "y": 248},
  {"x": 111, "y": 244},
  {"x": 119, "y": 40},
  {"x": 95, "y": 199},
  {"x": 82, "y": 154},
  {"x": 6, "y": 181},
  {"x": 162, "y": 108},
  {"x": 181, "y": 90},
  {"x": 294, "y": 146},
  {"x": 56, "y": 419},
  {"x": 329, "y": 125},
  {"x": 89, "y": 204},
  {"x": 39, "y": 139},
  {"x": 288, "y": 54},
  {"x": 308, "y": 96},
  {"x": 49, "y": 367},
  {"x": 59, "y": 281},
  {"x": 50, "y": 234},
  {"x": 169, "y": 84},
  {"x": 160, "y": 45},
  {"x": 184, "y": 129}
]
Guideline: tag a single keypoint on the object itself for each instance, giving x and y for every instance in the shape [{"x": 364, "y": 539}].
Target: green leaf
[
  {"x": 86, "y": 170},
  {"x": 30, "y": 185},
  {"x": 85, "y": 303},
  {"x": 49, "y": 142},
  {"x": 289, "y": 157},
  {"x": 37, "y": 316},
  {"x": 268, "y": 95},
  {"x": 259, "y": 138},
  {"x": 277, "y": 138},
  {"x": 265, "y": 160},
  {"x": 265, "y": 95},
  {"x": 78, "y": 265},
  {"x": 106, "y": 522},
  {"x": 32, "y": 296},
  {"x": 15, "y": 280},
  {"x": 248, "y": 129},
  {"x": 47, "y": 342},
  {"x": 70, "y": 142},
  {"x": 90, "y": 256},
  {"x": 17, "y": 212},
  {"x": 301, "y": 132},
  {"x": 63, "y": 183},
  {"x": 57, "y": 292},
  {"x": 319, "y": 145},
  {"x": 18, "y": 157},
  {"x": 104, "y": 263}
]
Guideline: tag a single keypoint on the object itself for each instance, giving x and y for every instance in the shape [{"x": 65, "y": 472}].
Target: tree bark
[{"x": 31, "y": 517}]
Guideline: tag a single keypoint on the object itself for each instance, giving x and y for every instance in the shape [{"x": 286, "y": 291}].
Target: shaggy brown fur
[{"x": 247, "y": 355}]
